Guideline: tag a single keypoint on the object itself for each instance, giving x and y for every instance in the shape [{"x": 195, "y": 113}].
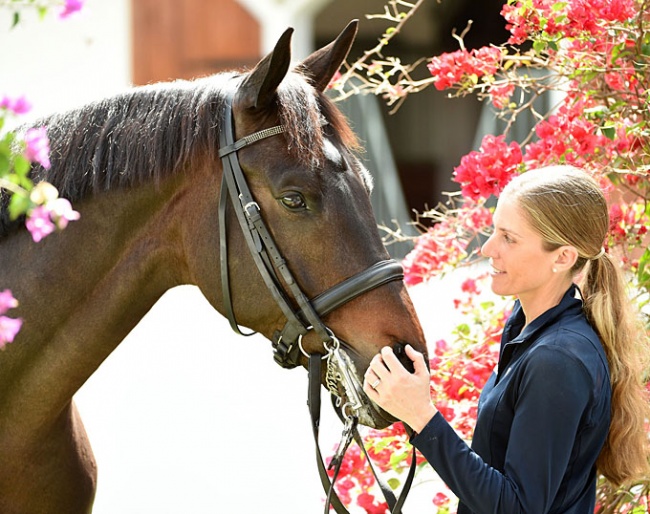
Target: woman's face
[{"x": 520, "y": 265}]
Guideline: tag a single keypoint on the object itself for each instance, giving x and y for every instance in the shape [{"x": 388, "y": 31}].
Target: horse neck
[{"x": 82, "y": 290}]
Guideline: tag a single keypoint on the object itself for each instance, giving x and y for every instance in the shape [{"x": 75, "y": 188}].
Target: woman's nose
[{"x": 485, "y": 248}]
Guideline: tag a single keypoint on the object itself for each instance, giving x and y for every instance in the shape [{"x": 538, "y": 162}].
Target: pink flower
[
  {"x": 7, "y": 301},
  {"x": 61, "y": 212},
  {"x": 38, "y": 146},
  {"x": 71, "y": 7},
  {"x": 39, "y": 223},
  {"x": 9, "y": 327},
  {"x": 18, "y": 105}
]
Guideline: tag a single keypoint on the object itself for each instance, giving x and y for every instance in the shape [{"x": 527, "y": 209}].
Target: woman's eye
[{"x": 293, "y": 201}]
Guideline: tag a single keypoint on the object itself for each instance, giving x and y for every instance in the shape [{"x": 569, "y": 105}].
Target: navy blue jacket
[{"x": 543, "y": 418}]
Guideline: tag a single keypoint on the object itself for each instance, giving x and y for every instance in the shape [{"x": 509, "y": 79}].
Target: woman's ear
[{"x": 566, "y": 257}]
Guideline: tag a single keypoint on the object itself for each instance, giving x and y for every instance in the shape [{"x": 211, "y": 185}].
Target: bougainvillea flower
[
  {"x": 487, "y": 171},
  {"x": 9, "y": 327},
  {"x": 61, "y": 212},
  {"x": 19, "y": 105},
  {"x": 7, "y": 301},
  {"x": 70, "y": 7},
  {"x": 37, "y": 146},
  {"x": 39, "y": 223}
]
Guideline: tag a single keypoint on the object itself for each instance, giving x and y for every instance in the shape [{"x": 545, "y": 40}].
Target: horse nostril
[{"x": 398, "y": 349}]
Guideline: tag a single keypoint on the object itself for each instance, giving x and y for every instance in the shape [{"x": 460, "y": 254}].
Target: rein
[{"x": 278, "y": 279}]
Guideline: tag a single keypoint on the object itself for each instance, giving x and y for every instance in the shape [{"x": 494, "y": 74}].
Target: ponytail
[{"x": 608, "y": 308}]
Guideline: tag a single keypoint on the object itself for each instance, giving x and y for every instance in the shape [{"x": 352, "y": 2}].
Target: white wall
[{"x": 60, "y": 64}]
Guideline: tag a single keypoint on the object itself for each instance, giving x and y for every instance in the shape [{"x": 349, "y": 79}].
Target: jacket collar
[{"x": 514, "y": 337}]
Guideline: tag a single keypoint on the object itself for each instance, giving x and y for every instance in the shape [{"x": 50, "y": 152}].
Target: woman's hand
[{"x": 403, "y": 394}]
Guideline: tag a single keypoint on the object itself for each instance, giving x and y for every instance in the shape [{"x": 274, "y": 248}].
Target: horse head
[{"x": 312, "y": 193}]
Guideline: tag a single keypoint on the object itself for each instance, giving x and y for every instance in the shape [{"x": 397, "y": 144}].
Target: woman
[{"x": 567, "y": 399}]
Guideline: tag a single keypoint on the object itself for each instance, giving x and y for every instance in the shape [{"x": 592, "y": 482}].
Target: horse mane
[{"x": 152, "y": 131}]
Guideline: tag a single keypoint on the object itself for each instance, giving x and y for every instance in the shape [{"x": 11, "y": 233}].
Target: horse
[{"x": 295, "y": 255}]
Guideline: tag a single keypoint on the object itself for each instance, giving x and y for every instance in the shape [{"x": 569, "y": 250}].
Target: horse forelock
[{"x": 307, "y": 114}]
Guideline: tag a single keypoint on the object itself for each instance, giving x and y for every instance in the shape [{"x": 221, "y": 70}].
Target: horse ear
[
  {"x": 258, "y": 88},
  {"x": 321, "y": 66}
]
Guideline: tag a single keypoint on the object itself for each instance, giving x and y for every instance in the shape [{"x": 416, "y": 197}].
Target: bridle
[
  {"x": 270, "y": 263},
  {"x": 279, "y": 280}
]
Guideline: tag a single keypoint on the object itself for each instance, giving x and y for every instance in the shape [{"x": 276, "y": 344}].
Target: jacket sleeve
[{"x": 552, "y": 392}]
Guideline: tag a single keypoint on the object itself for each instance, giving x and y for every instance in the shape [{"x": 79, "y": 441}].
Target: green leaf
[
  {"x": 21, "y": 165},
  {"x": 18, "y": 205},
  {"x": 609, "y": 132},
  {"x": 22, "y": 182},
  {"x": 598, "y": 110},
  {"x": 463, "y": 328},
  {"x": 486, "y": 305},
  {"x": 393, "y": 483},
  {"x": 643, "y": 273},
  {"x": 539, "y": 46},
  {"x": 16, "y": 19},
  {"x": 5, "y": 164},
  {"x": 381, "y": 444},
  {"x": 396, "y": 458}
]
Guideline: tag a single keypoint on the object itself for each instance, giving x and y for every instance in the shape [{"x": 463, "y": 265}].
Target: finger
[
  {"x": 419, "y": 363},
  {"x": 378, "y": 366},
  {"x": 371, "y": 377},
  {"x": 369, "y": 380},
  {"x": 370, "y": 392},
  {"x": 391, "y": 361}
]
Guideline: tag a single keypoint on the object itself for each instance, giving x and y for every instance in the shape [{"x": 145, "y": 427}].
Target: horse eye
[{"x": 293, "y": 201}]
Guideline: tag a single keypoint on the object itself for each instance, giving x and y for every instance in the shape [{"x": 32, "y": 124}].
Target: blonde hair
[{"x": 566, "y": 206}]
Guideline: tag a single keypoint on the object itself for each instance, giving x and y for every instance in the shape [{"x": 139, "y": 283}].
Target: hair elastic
[{"x": 600, "y": 254}]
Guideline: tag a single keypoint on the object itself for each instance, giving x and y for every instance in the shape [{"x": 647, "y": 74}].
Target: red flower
[
  {"x": 469, "y": 286},
  {"x": 487, "y": 171},
  {"x": 500, "y": 95},
  {"x": 440, "y": 500},
  {"x": 571, "y": 19},
  {"x": 368, "y": 502},
  {"x": 434, "y": 250},
  {"x": 449, "y": 69}
]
